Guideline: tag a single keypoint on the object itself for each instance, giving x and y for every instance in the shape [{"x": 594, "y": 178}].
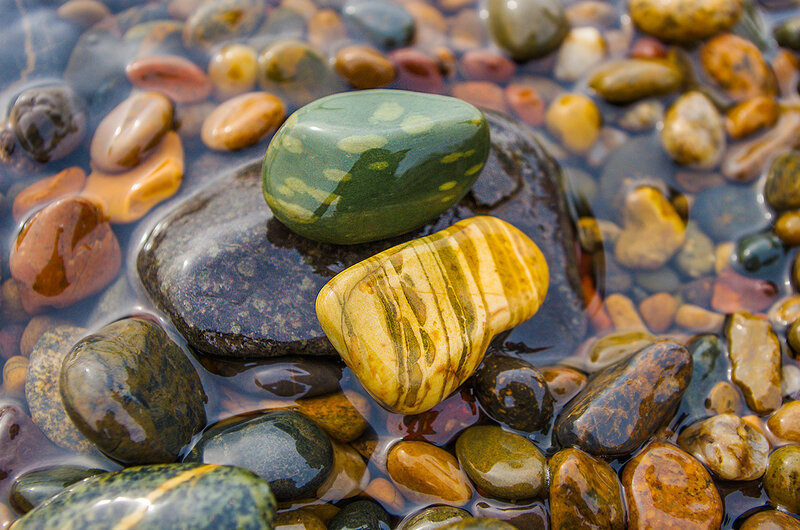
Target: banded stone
[
  {"x": 414, "y": 322},
  {"x": 364, "y": 166}
]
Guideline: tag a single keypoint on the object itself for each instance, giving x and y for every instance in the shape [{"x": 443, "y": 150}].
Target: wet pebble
[
  {"x": 782, "y": 480},
  {"x": 385, "y": 24},
  {"x": 66, "y": 182},
  {"x": 418, "y": 71},
  {"x": 242, "y": 121},
  {"x": 341, "y": 414},
  {"x": 726, "y": 212},
  {"x": 527, "y": 29},
  {"x": 745, "y": 161},
  {"x": 486, "y": 65},
  {"x": 738, "y": 67},
  {"x": 233, "y": 70},
  {"x": 758, "y": 254},
  {"x": 295, "y": 72},
  {"x": 176, "y": 77},
  {"x": 361, "y": 515},
  {"x": 441, "y": 424},
  {"x": 582, "y": 49},
  {"x": 770, "y": 520},
  {"x": 628, "y": 80},
  {"x": 221, "y": 20},
  {"x": 693, "y": 133},
  {"x": 426, "y": 474},
  {"x": 563, "y": 382},
  {"x": 755, "y": 355},
  {"x": 615, "y": 347},
  {"x": 685, "y": 20},
  {"x": 298, "y": 520},
  {"x": 750, "y": 116},
  {"x": 696, "y": 256},
  {"x": 723, "y": 398},
  {"x": 14, "y": 373},
  {"x": 364, "y": 67},
  {"x": 575, "y": 120},
  {"x": 432, "y": 517},
  {"x": 734, "y": 292},
  {"x": 33, "y": 488},
  {"x": 782, "y": 187},
  {"x": 347, "y": 478},
  {"x": 479, "y": 523},
  {"x": 787, "y": 227},
  {"x": 785, "y": 423},
  {"x": 658, "y": 311}
]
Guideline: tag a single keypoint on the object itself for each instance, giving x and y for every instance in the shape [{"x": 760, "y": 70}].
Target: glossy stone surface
[
  {"x": 242, "y": 121},
  {"x": 726, "y": 212},
  {"x": 441, "y": 424},
  {"x": 286, "y": 449},
  {"x": 66, "y": 182},
  {"x": 584, "y": 492},
  {"x": 693, "y": 133},
  {"x": 785, "y": 423},
  {"x": 385, "y": 24},
  {"x": 755, "y": 355},
  {"x": 782, "y": 187},
  {"x": 286, "y": 377},
  {"x": 378, "y": 320},
  {"x": 221, "y": 20},
  {"x": 513, "y": 392},
  {"x": 131, "y": 390},
  {"x": 271, "y": 276},
  {"x": 63, "y": 254},
  {"x": 479, "y": 523},
  {"x": 233, "y": 70},
  {"x": 426, "y": 474},
  {"x": 667, "y": 488},
  {"x": 190, "y": 495},
  {"x": 623, "y": 405},
  {"x": 738, "y": 67},
  {"x": 685, "y": 20},
  {"x": 760, "y": 254},
  {"x": 348, "y": 476},
  {"x": 178, "y": 78},
  {"x": 385, "y": 162},
  {"x": 432, "y": 517},
  {"x": 527, "y": 29},
  {"x": 771, "y": 520},
  {"x": 782, "y": 481},
  {"x": 627, "y": 80},
  {"x": 33, "y": 488},
  {"x": 339, "y": 414},
  {"x": 364, "y": 67},
  {"x": 361, "y": 515},
  {"x": 710, "y": 366}
]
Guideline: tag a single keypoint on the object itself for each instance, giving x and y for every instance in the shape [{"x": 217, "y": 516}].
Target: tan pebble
[
  {"x": 12, "y": 301},
  {"x": 750, "y": 116},
  {"x": 790, "y": 380},
  {"x": 623, "y": 313},
  {"x": 785, "y": 423},
  {"x": 325, "y": 28},
  {"x": 757, "y": 423},
  {"x": 324, "y": 511},
  {"x": 305, "y": 8},
  {"x": 724, "y": 398},
  {"x": 233, "y": 70},
  {"x": 242, "y": 121},
  {"x": 563, "y": 382},
  {"x": 575, "y": 120},
  {"x": 698, "y": 319},
  {"x": 14, "y": 372},
  {"x": 784, "y": 311},
  {"x": 85, "y": 13},
  {"x": 582, "y": 49},
  {"x": 467, "y": 30},
  {"x": 36, "y": 327},
  {"x": 69, "y": 181},
  {"x": 595, "y": 13},
  {"x": 787, "y": 71},
  {"x": 482, "y": 94},
  {"x": 348, "y": 477},
  {"x": 755, "y": 355},
  {"x": 427, "y": 474},
  {"x": 787, "y": 227},
  {"x": 385, "y": 493},
  {"x": 301, "y": 519},
  {"x": 722, "y": 256},
  {"x": 770, "y": 520},
  {"x": 614, "y": 347},
  {"x": 694, "y": 133},
  {"x": 426, "y": 15},
  {"x": 745, "y": 161},
  {"x": 658, "y": 311},
  {"x": 364, "y": 67}
]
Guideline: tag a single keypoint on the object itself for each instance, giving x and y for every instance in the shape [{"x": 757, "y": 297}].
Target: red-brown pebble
[
  {"x": 486, "y": 65},
  {"x": 526, "y": 103},
  {"x": 364, "y": 67},
  {"x": 481, "y": 94},
  {"x": 417, "y": 71},
  {"x": 69, "y": 181},
  {"x": 733, "y": 292},
  {"x": 179, "y": 79},
  {"x": 648, "y": 48},
  {"x": 658, "y": 311}
]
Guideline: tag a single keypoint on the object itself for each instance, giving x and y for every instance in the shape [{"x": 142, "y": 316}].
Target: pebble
[
  {"x": 426, "y": 474},
  {"x": 325, "y": 29},
  {"x": 417, "y": 71},
  {"x": 790, "y": 380},
  {"x": 526, "y": 103},
  {"x": 642, "y": 116},
  {"x": 502, "y": 464},
  {"x": 723, "y": 398},
  {"x": 486, "y": 65},
  {"x": 623, "y": 405},
  {"x": 218, "y": 21},
  {"x": 14, "y": 372},
  {"x": 86, "y": 13},
  {"x": 130, "y": 132},
  {"x": 727, "y": 212},
  {"x": 35, "y": 487},
  {"x": 584, "y": 492},
  {"x": 128, "y": 196},
  {"x": 432, "y": 517},
  {"x": 787, "y": 227},
  {"x": 582, "y": 50},
  {"x": 292, "y": 453},
  {"x": 361, "y": 515},
  {"x": 377, "y": 368},
  {"x": 693, "y": 133},
  {"x": 658, "y": 311},
  {"x": 616, "y": 346},
  {"x": 479, "y": 523},
  {"x": 628, "y": 80},
  {"x": 755, "y": 355},
  {"x": 785, "y": 423},
  {"x": 563, "y": 382},
  {"x": 653, "y": 231},
  {"x": 759, "y": 254},
  {"x": 623, "y": 314},
  {"x": 696, "y": 256},
  {"x": 66, "y": 182},
  {"x": 348, "y": 477},
  {"x": 574, "y": 120},
  {"x": 729, "y": 447},
  {"x": 364, "y": 67},
  {"x": 667, "y": 488},
  {"x": 770, "y": 520},
  {"x": 527, "y": 29},
  {"x": 782, "y": 480},
  {"x": 233, "y": 70},
  {"x": 51, "y": 268},
  {"x": 295, "y": 72},
  {"x": 513, "y": 392},
  {"x": 482, "y": 94},
  {"x": 242, "y": 121},
  {"x": 340, "y": 414},
  {"x": 751, "y": 115},
  {"x": 782, "y": 187},
  {"x": 685, "y": 20},
  {"x": 178, "y": 78},
  {"x": 298, "y": 520},
  {"x": 441, "y": 424},
  {"x": 385, "y": 493},
  {"x": 745, "y": 161},
  {"x": 385, "y": 24},
  {"x": 738, "y": 67}
]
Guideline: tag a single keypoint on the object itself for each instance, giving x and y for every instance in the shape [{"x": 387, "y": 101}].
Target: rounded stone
[
  {"x": 502, "y": 464},
  {"x": 615, "y": 347},
  {"x": 348, "y": 477},
  {"x": 782, "y": 480},
  {"x": 785, "y": 423},
  {"x": 738, "y": 67},
  {"x": 770, "y": 520},
  {"x": 364, "y": 67},
  {"x": 685, "y": 20},
  {"x": 178, "y": 78},
  {"x": 432, "y": 517},
  {"x": 131, "y": 391},
  {"x": 527, "y": 29},
  {"x": 33, "y": 488},
  {"x": 563, "y": 382},
  {"x": 284, "y": 448},
  {"x": 513, "y": 392},
  {"x": 361, "y": 515},
  {"x": 425, "y": 473},
  {"x": 297, "y": 520},
  {"x": 627, "y": 80},
  {"x": 751, "y": 115},
  {"x": 295, "y": 72},
  {"x": 693, "y": 133},
  {"x": 758, "y": 254},
  {"x": 787, "y": 227},
  {"x": 233, "y": 70},
  {"x": 782, "y": 187},
  {"x": 242, "y": 121},
  {"x": 575, "y": 120},
  {"x": 787, "y": 33},
  {"x": 385, "y": 24},
  {"x": 727, "y": 212},
  {"x": 222, "y": 20},
  {"x": 339, "y": 414}
]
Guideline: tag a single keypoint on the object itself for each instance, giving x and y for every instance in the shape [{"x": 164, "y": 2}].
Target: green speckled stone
[
  {"x": 433, "y": 517},
  {"x": 361, "y": 515},
  {"x": 160, "y": 496},
  {"x": 31, "y": 489},
  {"x": 782, "y": 480},
  {"x": 479, "y": 523},
  {"x": 364, "y": 166},
  {"x": 285, "y": 448},
  {"x": 132, "y": 391}
]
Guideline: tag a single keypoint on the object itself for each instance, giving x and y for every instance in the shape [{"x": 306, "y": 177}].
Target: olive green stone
[
  {"x": 160, "y": 496},
  {"x": 32, "y": 489},
  {"x": 782, "y": 188},
  {"x": 360, "y": 515},
  {"x": 479, "y": 523},
  {"x": 787, "y": 33},
  {"x": 364, "y": 166},
  {"x": 501, "y": 463},
  {"x": 131, "y": 390},
  {"x": 627, "y": 80},
  {"x": 433, "y": 517},
  {"x": 782, "y": 481},
  {"x": 527, "y": 29}
]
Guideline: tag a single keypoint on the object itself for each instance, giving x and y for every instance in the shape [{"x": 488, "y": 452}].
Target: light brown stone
[
  {"x": 426, "y": 474},
  {"x": 658, "y": 311},
  {"x": 242, "y": 121},
  {"x": 723, "y": 398},
  {"x": 698, "y": 319},
  {"x": 785, "y": 423},
  {"x": 623, "y": 313},
  {"x": 756, "y": 361}
]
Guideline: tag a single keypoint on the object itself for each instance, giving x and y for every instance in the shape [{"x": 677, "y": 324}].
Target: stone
[
  {"x": 696, "y": 256},
  {"x": 42, "y": 389},
  {"x": 479, "y": 523},
  {"x": 218, "y": 21},
  {"x": 729, "y": 447},
  {"x": 628, "y": 80},
  {"x": 482, "y": 94},
  {"x": 347, "y": 478},
  {"x": 15, "y": 370},
  {"x": 782, "y": 187},
  {"x": 787, "y": 227},
  {"x": 755, "y": 355},
  {"x": 642, "y": 116},
  {"x": 66, "y": 182},
  {"x": 242, "y": 121},
  {"x": 288, "y": 377},
  {"x": 339, "y": 414},
  {"x": 502, "y": 464},
  {"x": 513, "y": 392},
  {"x": 487, "y": 65},
  {"x": 623, "y": 314},
  {"x": 745, "y": 161},
  {"x": 785, "y": 423},
  {"x": 685, "y": 20},
  {"x": 738, "y": 67},
  {"x": 35, "y": 487},
  {"x": 178, "y": 78},
  {"x": 198, "y": 496},
  {"x": 382, "y": 490},
  {"x": 623, "y": 405},
  {"x": 723, "y": 398},
  {"x": 417, "y": 71},
  {"x": 376, "y": 164},
  {"x": 770, "y": 520},
  {"x": 563, "y": 382},
  {"x": 653, "y": 230},
  {"x": 751, "y": 115},
  {"x": 426, "y": 474},
  {"x": 385, "y": 24},
  {"x": 760, "y": 254},
  {"x": 575, "y": 120},
  {"x": 128, "y": 196},
  {"x": 84, "y": 12},
  {"x": 693, "y": 133},
  {"x": 298, "y": 519},
  {"x": 667, "y": 488},
  {"x": 727, "y": 212},
  {"x": 527, "y": 29},
  {"x": 733, "y": 292},
  {"x": 270, "y": 276},
  {"x": 49, "y": 121},
  {"x": 361, "y": 515},
  {"x": 432, "y": 517},
  {"x": 379, "y": 334},
  {"x": 441, "y": 424},
  {"x": 658, "y": 311},
  {"x": 583, "y": 49},
  {"x": 233, "y": 70},
  {"x": 614, "y": 347},
  {"x": 131, "y": 391},
  {"x": 325, "y": 28},
  {"x": 710, "y": 367},
  {"x": 782, "y": 480},
  {"x": 292, "y": 453},
  {"x": 584, "y": 492},
  {"x": 364, "y": 67},
  {"x": 787, "y": 33}
]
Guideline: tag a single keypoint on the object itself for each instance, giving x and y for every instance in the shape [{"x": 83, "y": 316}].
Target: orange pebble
[
  {"x": 384, "y": 492},
  {"x": 66, "y": 182},
  {"x": 526, "y": 103},
  {"x": 481, "y": 94}
]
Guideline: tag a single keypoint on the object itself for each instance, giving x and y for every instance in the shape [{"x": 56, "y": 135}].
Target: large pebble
[
  {"x": 623, "y": 405},
  {"x": 627, "y": 80},
  {"x": 426, "y": 474},
  {"x": 178, "y": 78},
  {"x": 527, "y": 29},
  {"x": 728, "y": 446},
  {"x": 755, "y": 355},
  {"x": 782, "y": 187},
  {"x": 63, "y": 254},
  {"x": 339, "y": 414},
  {"x": 745, "y": 161},
  {"x": 131, "y": 391},
  {"x": 242, "y": 121},
  {"x": 785, "y": 423},
  {"x": 131, "y": 131},
  {"x": 217, "y": 21},
  {"x": 375, "y": 155},
  {"x": 667, "y": 488},
  {"x": 726, "y": 212},
  {"x": 685, "y": 20},
  {"x": 286, "y": 449},
  {"x": 782, "y": 480},
  {"x": 33, "y": 488},
  {"x": 693, "y": 133},
  {"x": 738, "y": 67}
]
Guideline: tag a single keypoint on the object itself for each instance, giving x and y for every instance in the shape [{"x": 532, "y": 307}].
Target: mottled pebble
[
  {"x": 693, "y": 133},
  {"x": 685, "y": 20},
  {"x": 738, "y": 67},
  {"x": 233, "y": 70},
  {"x": 750, "y": 116},
  {"x": 782, "y": 480},
  {"x": 364, "y": 67},
  {"x": 756, "y": 361},
  {"x": 627, "y": 80}
]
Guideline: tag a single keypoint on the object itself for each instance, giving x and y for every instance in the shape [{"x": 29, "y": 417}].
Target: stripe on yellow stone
[{"x": 414, "y": 321}]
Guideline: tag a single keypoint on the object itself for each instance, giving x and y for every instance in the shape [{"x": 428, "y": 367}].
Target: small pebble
[
  {"x": 14, "y": 372},
  {"x": 658, "y": 311},
  {"x": 575, "y": 120},
  {"x": 724, "y": 399},
  {"x": 176, "y": 77},
  {"x": 785, "y": 423},
  {"x": 242, "y": 121},
  {"x": 750, "y": 116},
  {"x": 427, "y": 474},
  {"x": 233, "y": 70},
  {"x": 699, "y": 320},
  {"x": 364, "y": 67},
  {"x": 68, "y": 181}
]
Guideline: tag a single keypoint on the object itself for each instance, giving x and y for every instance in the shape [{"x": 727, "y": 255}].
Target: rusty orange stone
[
  {"x": 751, "y": 115},
  {"x": 483, "y": 94},
  {"x": 738, "y": 67},
  {"x": 69, "y": 181}
]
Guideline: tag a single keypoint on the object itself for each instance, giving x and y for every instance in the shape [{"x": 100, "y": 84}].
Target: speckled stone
[
  {"x": 178, "y": 495},
  {"x": 623, "y": 405},
  {"x": 361, "y": 515},
  {"x": 131, "y": 391},
  {"x": 782, "y": 481},
  {"x": 782, "y": 187},
  {"x": 685, "y": 20},
  {"x": 286, "y": 449},
  {"x": 33, "y": 488},
  {"x": 433, "y": 517},
  {"x": 755, "y": 355},
  {"x": 771, "y": 520},
  {"x": 339, "y": 414}
]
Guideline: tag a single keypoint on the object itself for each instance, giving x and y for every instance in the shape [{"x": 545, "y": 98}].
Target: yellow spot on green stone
[
  {"x": 291, "y": 121},
  {"x": 469, "y": 153},
  {"x": 387, "y": 111},
  {"x": 448, "y": 198},
  {"x": 292, "y": 144},
  {"x": 452, "y": 157},
  {"x": 360, "y": 143},
  {"x": 377, "y": 166},
  {"x": 284, "y": 190},
  {"x": 474, "y": 169},
  {"x": 450, "y": 184},
  {"x": 296, "y": 212},
  {"x": 336, "y": 175},
  {"x": 416, "y": 124}
]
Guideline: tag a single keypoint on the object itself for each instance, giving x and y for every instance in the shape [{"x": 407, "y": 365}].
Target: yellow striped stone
[{"x": 414, "y": 321}]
